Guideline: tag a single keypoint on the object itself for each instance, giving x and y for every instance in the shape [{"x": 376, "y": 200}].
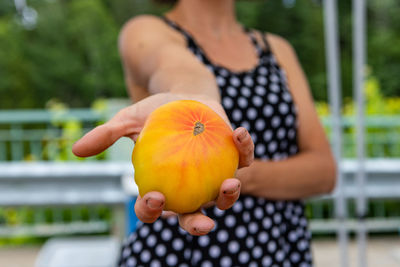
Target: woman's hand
[{"x": 129, "y": 122}]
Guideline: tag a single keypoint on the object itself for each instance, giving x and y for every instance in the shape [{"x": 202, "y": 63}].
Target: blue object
[{"x": 131, "y": 219}]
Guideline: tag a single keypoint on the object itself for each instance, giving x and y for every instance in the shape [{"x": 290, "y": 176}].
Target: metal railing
[
  {"x": 38, "y": 172},
  {"x": 44, "y": 189},
  {"x": 37, "y": 135},
  {"x": 382, "y": 136}
]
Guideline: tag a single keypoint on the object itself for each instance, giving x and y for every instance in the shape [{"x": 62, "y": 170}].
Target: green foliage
[
  {"x": 71, "y": 55},
  {"x": 34, "y": 216},
  {"x": 384, "y": 43},
  {"x": 59, "y": 148},
  {"x": 382, "y": 122},
  {"x": 72, "y": 52},
  {"x": 375, "y": 102},
  {"x": 71, "y": 130}
]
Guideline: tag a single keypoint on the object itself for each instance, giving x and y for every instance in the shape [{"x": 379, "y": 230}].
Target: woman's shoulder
[
  {"x": 278, "y": 42},
  {"x": 143, "y": 24},
  {"x": 147, "y": 28},
  {"x": 145, "y": 21}
]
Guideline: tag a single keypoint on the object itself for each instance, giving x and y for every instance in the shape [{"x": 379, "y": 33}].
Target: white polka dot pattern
[
  {"x": 246, "y": 216},
  {"x": 233, "y": 247}
]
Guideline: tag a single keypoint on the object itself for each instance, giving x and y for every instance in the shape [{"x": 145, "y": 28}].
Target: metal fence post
[
  {"x": 334, "y": 83},
  {"x": 359, "y": 61}
]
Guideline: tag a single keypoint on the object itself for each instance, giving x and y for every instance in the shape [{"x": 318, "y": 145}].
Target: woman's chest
[{"x": 261, "y": 102}]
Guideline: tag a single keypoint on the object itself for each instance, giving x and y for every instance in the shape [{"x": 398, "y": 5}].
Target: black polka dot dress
[{"x": 255, "y": 231}]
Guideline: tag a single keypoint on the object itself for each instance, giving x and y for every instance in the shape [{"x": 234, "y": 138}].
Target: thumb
[{"x": 245, "y": 146}]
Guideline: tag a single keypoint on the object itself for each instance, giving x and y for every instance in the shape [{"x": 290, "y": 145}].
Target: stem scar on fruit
[{"x": 198, "y": 128}]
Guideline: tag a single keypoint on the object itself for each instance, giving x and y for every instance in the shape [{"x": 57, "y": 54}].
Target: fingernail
[
  {"x": 242, "y": 134},
  {"x": 232, "y": 191},
  {"x": 154, "y": 203},
  {"x": 201, "y": 231}
]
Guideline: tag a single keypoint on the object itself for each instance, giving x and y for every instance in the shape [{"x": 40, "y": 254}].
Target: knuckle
[{"x": 248, "y": 152}]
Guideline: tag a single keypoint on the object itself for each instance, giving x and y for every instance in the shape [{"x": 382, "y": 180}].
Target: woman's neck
[{"x": 215, "y": 17}]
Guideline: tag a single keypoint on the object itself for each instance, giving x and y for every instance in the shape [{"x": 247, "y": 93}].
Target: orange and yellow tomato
[{"x": 185, "y": 151}]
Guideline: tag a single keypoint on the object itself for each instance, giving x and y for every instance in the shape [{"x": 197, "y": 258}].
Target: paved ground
[
  {"x": 18, "y": 257},
  {"x": 382, "y": 252}
]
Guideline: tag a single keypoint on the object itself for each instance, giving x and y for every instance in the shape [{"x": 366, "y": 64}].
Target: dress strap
[
  {"x": 175, "y": 26},
  {"x": 256, "y": 43},
  {"x": 266, "y": 44},
  {"x": 253, "y": 39}
]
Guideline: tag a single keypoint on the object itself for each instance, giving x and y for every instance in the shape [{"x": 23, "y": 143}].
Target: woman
[{"x": 200, "y": 51}]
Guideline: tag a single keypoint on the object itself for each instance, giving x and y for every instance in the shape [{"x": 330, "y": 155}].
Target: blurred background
[{"x": 60, "y": 75}]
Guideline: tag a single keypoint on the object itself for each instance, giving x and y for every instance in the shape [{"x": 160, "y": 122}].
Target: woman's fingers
[
  {"x": 127, "y": 122},
  {"x": 245, "y": 145},
  {"x": 196, "y": 223},
  {"x": 97, "y": 140},
  {"x": 150, "y": 207},
  {"x": 229, "y": 192},
  {"x": 124, "y": 123}
]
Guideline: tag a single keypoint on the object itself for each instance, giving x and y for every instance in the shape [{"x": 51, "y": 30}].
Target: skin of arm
[
  {"x": 156, "y": 60},
  {"x": 313, "y": 170}
]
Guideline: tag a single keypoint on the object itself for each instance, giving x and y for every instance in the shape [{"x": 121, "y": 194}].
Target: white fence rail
[{"x": 91, "y": 183}]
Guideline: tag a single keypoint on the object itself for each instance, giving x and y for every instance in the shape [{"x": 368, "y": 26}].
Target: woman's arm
[
  {"x": 312, "y": 170},
  {"x": 156, "y": 60}
]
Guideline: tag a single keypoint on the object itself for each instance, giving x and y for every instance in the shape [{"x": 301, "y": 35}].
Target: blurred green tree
[{"x": 72, "y": 54}]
